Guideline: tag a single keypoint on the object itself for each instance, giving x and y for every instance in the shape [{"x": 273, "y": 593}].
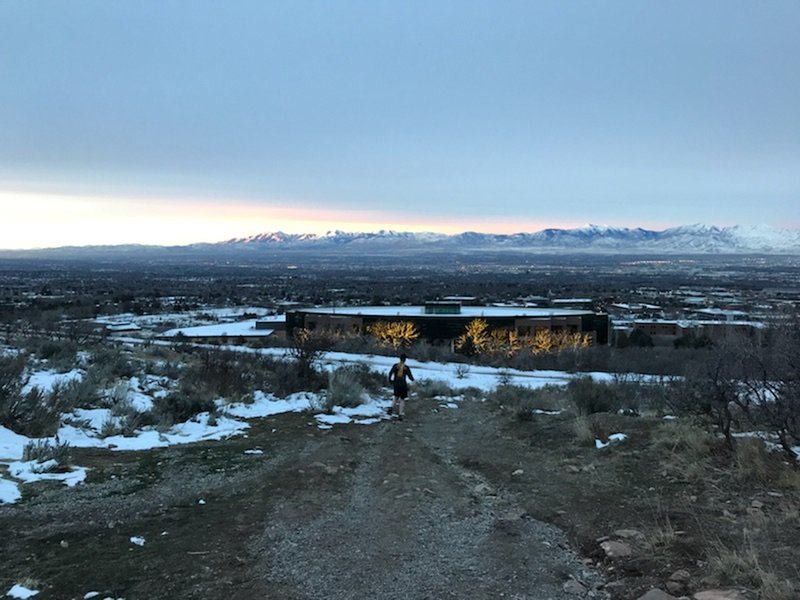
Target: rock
[
  {"x": 616, "y": 549},
  {"x": 757, "y": 504},
  {"x": 675, "y": 587},
  {"x": 517, "y": 473},
  {"x": 573, "y": 469},
  {"x": 719, "y": 595},
  {"x": 573, "y": 586},
  {"x": 681, "y": 576},
  {"x": 655, "y": 594},
  {"x": 628, "y": 534},
  {"x": 513, "y": 514},
  {"x": 482, "y": 489}
]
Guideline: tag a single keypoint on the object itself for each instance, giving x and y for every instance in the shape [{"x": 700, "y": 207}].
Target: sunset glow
[{"x": 35, "y": 220}]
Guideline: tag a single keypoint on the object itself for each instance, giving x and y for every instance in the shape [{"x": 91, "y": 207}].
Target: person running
[{"x": 398, "y": 374}]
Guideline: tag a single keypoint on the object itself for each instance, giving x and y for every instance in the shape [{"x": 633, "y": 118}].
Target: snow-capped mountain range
[
  {"x": 691, "y": 239},
  {"x": 593, "y": 239}
]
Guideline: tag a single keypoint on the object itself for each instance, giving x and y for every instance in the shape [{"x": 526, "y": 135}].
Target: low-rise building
[{"x": 444, "y": 321}]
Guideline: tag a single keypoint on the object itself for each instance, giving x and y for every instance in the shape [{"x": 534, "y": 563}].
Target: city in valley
[{"x": 601, "y": 426}]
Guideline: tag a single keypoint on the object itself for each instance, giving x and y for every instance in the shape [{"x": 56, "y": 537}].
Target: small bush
[
  {"x": 753, "y": 460},
  {"x": 109, "y": 363},
  {"x": 587, "y": 429},
  {"x": 60, "y": 354},
  {"x": 69, "y": 395},
  {"x": 590, "y": 397},
  {"x": 344, "y": 389},
  {"x": 285, "y": 379},
  {"x": 372, "y": 381},
  {"x": 34, "y": 415},
  {"x": 43, "y": 450},
  {"x": 182, "y": 405},
  {"x": 431, "y": 388},
  {"x": 110, "y": 427},
  {"x": 12, "y": 382}
]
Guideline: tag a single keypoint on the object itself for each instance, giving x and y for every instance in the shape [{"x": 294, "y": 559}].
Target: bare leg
[{"x": 402, "y": 407}]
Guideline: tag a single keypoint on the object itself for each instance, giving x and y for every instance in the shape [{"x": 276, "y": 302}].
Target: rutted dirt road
[{"x": 432, "y": 507}]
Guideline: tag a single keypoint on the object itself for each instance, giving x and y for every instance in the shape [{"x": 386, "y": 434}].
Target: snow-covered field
[{"x": 82, "y": 428}]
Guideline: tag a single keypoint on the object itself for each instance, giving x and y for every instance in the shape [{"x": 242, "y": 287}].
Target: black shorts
[{"x": 400, "y": 389}]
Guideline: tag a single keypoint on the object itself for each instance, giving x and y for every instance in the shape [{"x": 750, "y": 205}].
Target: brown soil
[{"x": 450, "y": 503}]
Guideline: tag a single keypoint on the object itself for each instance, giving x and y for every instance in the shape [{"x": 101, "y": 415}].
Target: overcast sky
[{"x": 179, "y": 121}]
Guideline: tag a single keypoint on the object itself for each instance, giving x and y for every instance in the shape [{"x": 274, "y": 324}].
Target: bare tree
[
  {"x": 771, "y": 376},
  {"x": 712, "y": 390},
  {"x": 307, "y": 348}
]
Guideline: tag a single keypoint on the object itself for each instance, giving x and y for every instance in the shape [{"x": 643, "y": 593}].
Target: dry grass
[
  {"x": 662, "y": 536},
  {"x": 743, "y": 567},
  {"x": 587, "y": 429},
  {"x": 734, "y": 566},
  {"x": 753, "y": 460},
  {"x": 686, "y": 449}
]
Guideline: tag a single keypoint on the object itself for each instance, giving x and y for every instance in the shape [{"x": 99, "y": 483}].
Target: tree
[
  {"x": 394, "y": 333},
  {"x": 712, "y": 389},
  {"x": 308, "y": 347},
  {"x": 771, "y": 377},
  {"x": 542, "y": 341},
  {"x": 474, "y": 339},
  {"x": 504, "y": 341}
]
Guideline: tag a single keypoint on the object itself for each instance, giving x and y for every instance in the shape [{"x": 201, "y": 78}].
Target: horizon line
[{"x": 384, "y": 230}]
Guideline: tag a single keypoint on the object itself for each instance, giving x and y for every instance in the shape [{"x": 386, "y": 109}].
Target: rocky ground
[{"x": 450, "y": 503}]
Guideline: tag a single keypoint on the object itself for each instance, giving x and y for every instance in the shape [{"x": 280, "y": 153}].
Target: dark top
[{"x": 397, "y": 375}]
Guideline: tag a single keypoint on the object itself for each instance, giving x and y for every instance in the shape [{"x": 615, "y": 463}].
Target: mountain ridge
[
  {"x": 591, "y": 239},
  {"x": 696, "y": 238}
]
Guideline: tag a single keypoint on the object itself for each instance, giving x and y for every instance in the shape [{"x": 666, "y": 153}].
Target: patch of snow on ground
[
  {"x": 9, "y": 492},
  {"x": 11, "y": 445},
  {"x": 137, "y": 540},
  {"x": 20, "y": 591},
  {"x": 265, "y": 405},
  {"x": 30, "y": 471},
  {"x": 46, "y": 380},
  {"x": 614, "y": 437},
  {"x": 368, "y": 413}
]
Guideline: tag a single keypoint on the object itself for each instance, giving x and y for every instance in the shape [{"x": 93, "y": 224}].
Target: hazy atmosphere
[{"x": 177, "y": 122}]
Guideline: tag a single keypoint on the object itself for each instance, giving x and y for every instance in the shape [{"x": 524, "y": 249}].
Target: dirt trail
[
  {"x": 391, "y": 510},
  {"x": 412, "y": 522}
]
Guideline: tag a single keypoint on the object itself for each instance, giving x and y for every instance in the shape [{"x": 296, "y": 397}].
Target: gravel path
[{"x": 412, "y": 523}]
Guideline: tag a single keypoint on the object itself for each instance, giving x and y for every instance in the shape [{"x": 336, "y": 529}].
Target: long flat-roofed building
[{"x": 445, "y": 321}]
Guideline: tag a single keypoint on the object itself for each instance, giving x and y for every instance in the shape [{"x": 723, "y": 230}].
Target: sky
[{"x": 171, "y": 122}]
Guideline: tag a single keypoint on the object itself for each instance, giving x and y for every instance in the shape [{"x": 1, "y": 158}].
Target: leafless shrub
[
  {"x": 44, "y": 450},
  {"x": 589, "y": 396},
  {"x": 587, "y": 429},
  {"x": 344, "y": 389},
  {"x": 431, "y": 388}
]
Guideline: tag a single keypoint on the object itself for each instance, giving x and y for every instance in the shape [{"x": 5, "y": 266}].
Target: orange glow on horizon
[
  {"x": 40, "y": 220},
  {"x": 48, "y": 220}
]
